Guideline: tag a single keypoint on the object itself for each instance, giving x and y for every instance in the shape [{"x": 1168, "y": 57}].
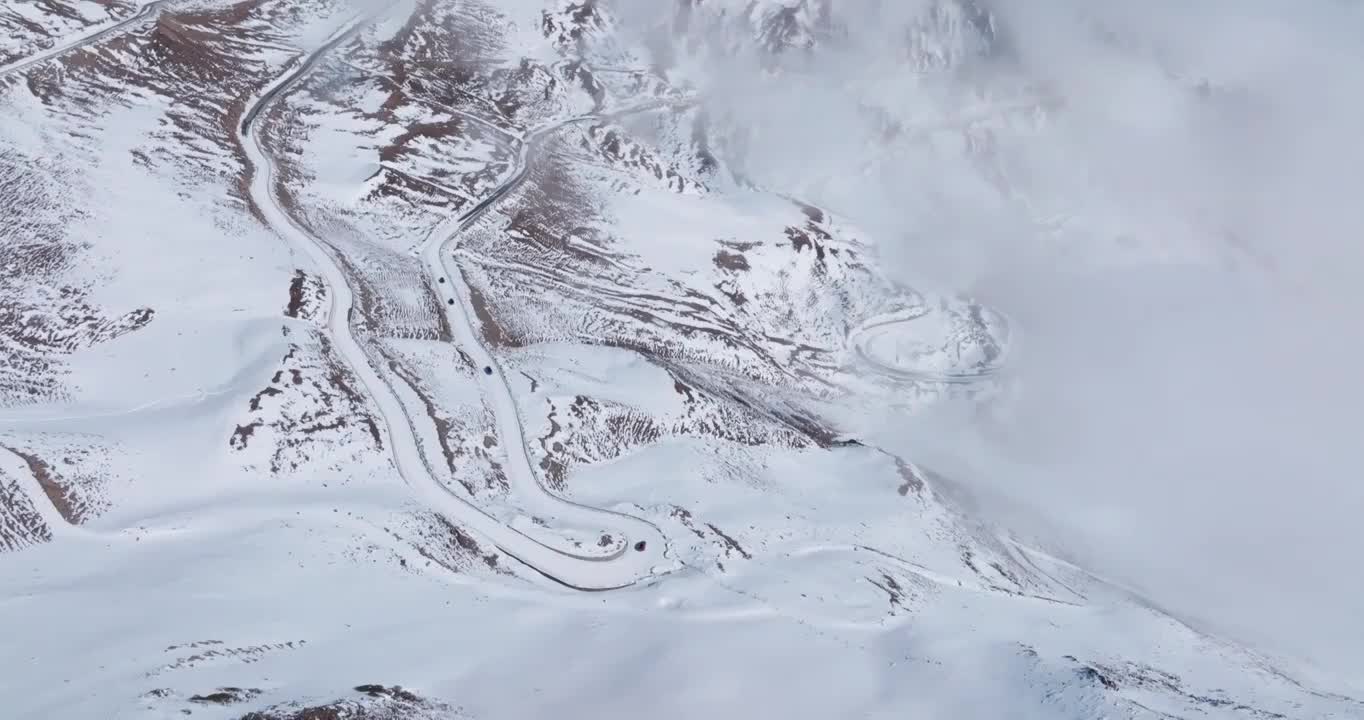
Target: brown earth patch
[
  {"x": 303, "y": 300},
  {"x": 226, "y": 696},
  {"x": 730, "y": 543},
  {"x": 21, "y": 525},
  {"x": 311, "y": 394},
  {"x": 726, "y": 260},
  {"x": 375, "y": 702},
  {"x": 55, "y": 490},
  {"x": 493, "y": 333},
  {"x": 451, "y": 539}
]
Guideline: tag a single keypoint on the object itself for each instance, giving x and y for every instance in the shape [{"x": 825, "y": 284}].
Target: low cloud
[{"x": 1163, "y": 198}]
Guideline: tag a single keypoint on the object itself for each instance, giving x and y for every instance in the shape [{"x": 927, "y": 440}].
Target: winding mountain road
[
  {"x": 630, "y": 561},
  {"x": 81, "y": 40},
  {"x": 930, "y": 344},
  {"x": 638, "y": 558}
]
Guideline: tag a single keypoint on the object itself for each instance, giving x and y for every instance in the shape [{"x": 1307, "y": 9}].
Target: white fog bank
[{"x": 1164, "y": 197}]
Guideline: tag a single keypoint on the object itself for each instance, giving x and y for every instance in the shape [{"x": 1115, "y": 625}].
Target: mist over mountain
[
  {"x": 772, "y": 358},
  {"x": 1159, "y": 197}
]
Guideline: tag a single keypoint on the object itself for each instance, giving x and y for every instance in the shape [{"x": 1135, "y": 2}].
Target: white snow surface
[{"x": 451, "y": 346}]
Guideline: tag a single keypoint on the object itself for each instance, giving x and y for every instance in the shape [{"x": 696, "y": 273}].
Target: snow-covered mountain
[{"x": 447, "y": 358}]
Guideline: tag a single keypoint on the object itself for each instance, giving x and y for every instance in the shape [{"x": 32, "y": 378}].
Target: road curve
[
  {"x": 624, "y": 568},
  {"x": 864, "y": 340},
  {"x": 629, "y": 564},
  {"x": 82, "y": 39}
]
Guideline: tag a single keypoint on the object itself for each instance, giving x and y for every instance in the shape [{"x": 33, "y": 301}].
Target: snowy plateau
[{"x": 450, "y": 359}]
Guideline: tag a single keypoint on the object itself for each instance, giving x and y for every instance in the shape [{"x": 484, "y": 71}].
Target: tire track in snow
[
  {"x": 81, "y": 40},
  {"x": 625, "y": 567}
]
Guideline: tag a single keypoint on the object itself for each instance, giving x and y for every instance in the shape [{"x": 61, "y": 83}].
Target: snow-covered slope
[{"x": 436, "y": 359}]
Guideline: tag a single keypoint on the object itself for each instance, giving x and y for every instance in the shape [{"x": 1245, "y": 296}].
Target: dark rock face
[
  {"x": 226, "y": 696},
  {"x": 377, "y": 702}
]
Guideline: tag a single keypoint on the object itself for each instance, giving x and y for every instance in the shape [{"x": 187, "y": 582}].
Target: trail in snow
[
  {"x": 83, "y": 39},
  {"x": 28, "y": 417},
  {"x": 621, "y": 569}
]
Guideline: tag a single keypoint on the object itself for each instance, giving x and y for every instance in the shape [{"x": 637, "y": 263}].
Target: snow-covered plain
[{"x": 436, "y": 359}]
